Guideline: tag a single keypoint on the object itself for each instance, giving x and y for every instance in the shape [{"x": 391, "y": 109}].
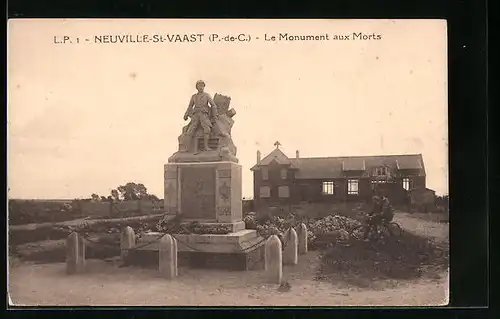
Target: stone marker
[
  {"x": 81, "y": 251},
  {"x": 167, "y": 251},
  {"x": 75, "y": 254},
  {"x": 127, "y": 241},
  {"x": 266, "y": 256},
  {"x": 302, "y": 239},
  {"x": 273, "y": 260},
  {"x": 290, "y": 252},
  {"x": 176, "y": 252}
]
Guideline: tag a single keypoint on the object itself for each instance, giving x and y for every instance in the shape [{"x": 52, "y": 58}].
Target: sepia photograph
[{"x": 231, "y": 162}]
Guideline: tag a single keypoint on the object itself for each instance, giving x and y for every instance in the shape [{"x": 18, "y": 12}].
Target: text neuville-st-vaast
[
  {"x": 200, "y": 37},
  {"x": 240, "y": 37}
]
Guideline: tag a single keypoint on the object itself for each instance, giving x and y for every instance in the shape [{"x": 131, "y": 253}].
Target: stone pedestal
[
  {"x": 206, "y": 187},
  {"x": 208, "y": 192}
]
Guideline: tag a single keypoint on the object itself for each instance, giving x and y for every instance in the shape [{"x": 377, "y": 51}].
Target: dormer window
[{"x": 381, "y": 171}]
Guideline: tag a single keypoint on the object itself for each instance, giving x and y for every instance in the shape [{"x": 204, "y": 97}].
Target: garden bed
[{"x": 358, "y": 262}]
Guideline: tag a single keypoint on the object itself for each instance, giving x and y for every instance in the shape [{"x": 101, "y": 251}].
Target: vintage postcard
[{"x": 227, "y": 162}]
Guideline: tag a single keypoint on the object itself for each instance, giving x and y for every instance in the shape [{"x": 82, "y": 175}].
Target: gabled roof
[
  {"x": 333, "y": 167},
  {"x": 275, "y": 156}
]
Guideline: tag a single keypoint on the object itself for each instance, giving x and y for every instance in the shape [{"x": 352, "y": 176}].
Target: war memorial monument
[{"x": 203, "y": 184}]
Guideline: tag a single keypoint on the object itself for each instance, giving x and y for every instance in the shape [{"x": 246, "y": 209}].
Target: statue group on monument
[
  {"x": 211, "y": 120},
  {"x": 202, "y": 110}
]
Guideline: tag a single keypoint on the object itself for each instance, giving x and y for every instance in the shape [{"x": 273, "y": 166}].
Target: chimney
[
  {"x": 258, "y": 157},
  {"x": 297, "y": 154}
]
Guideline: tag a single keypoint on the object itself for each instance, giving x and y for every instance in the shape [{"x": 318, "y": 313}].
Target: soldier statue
[{"x": 202, "y": 109}]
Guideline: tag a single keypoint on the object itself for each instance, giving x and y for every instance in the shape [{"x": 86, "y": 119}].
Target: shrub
[
  {"x": 319, "y": 231},
  {"x": 333, "y": 227}
]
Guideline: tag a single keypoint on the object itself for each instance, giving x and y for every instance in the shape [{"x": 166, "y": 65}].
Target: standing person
[{"x": 200, "y": 107}]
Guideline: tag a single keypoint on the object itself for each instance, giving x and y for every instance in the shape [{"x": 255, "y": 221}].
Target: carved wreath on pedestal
[
  {"x": 225, "y": 192},
  {"x": 224, "y": 211}
]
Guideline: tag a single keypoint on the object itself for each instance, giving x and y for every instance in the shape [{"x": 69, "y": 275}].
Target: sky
[{"x": 84, "y": 118}]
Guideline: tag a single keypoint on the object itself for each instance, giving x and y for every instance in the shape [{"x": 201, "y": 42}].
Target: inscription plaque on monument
[{"x": 198, "y": 192}]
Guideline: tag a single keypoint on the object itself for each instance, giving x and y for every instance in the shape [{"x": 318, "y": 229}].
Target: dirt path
[
  {"x": 433, "y": 230},
  {"x": 106, "y": 284}
]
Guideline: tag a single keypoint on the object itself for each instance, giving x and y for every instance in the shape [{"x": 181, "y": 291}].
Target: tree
[
  {"x": 153, "y": 197},
  {"x": 129, "y": 191},
  {"x": 132, "y": 191},
  {"x": 115, "y": 195}
]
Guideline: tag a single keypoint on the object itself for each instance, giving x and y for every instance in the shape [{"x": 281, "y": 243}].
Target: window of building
[
  {"x": 265, "y": 192},
  {"x": 284, "y": 173},
  {"x": 265, "y": 174},
  {"x": 283, "y": 192},
  {"x": 353, "y": 187},
  {"x": 381, "y": 171},
  {"x": 328, "y": 188},
  {"x": 407, "y": 183},
  {"x": 379, "y": 182},
  {"x": 375, "y": 183}
]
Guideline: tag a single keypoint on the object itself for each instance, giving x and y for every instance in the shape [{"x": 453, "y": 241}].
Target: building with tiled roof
[{"x": 280, "y": 179}]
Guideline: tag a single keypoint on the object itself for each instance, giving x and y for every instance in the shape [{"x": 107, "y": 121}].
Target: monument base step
[
  {"x": 252, "y": 260},
  {"x": 241, "y": 250}
]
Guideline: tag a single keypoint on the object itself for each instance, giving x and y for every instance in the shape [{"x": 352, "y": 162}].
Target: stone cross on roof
[{"x": 277, "y": 144}]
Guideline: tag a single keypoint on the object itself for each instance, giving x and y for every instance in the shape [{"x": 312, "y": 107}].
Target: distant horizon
[
  {"x": 244, "y": 197},
  {"x": 72, "y": 199}
]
